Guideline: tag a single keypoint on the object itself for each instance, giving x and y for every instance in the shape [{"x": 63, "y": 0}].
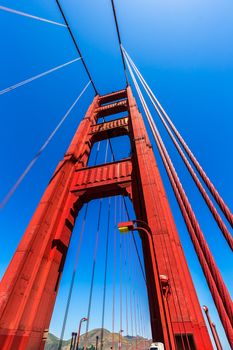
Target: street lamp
[
  {"x": 96, "y": 342},
  {"x": 120, "y": 337},
  {"x": 142, "y": 226},
  {"x": 213, "y": 329},
  {"x": 84, "y": 319},
  {"x": 73, "y": 340}
]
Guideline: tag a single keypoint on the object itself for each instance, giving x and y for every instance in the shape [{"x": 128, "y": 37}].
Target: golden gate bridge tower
[{"x": 30, "y": 285}]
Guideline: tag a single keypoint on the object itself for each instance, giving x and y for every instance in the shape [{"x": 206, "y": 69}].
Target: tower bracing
[{"x": 30, "y": 285}]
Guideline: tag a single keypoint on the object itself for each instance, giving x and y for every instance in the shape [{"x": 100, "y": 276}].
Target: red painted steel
[
  {"x": 112, "y": 108},
  {"x": 213, "y": 329},
  {"x": 114, "y": 128},
  {"x": 151, "y": 205},
  {"x": 29, "y": 287}
]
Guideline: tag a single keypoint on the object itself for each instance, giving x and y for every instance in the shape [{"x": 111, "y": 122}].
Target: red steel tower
[{"x": 29, "y": 287}]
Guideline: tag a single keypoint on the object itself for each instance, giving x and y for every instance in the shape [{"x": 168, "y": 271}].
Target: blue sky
[{"x": 184, "y": 49}]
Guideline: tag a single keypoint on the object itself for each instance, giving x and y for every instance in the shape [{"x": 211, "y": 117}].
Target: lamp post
[
  {"x": 142, "y": 226},
  {"x": 96, "y": 342},
  {"x": 73, "y": 340},
  {"x": 84, "y": 319},
  {"x": 213, "y": 329},
  {"x": 120, "y": 339}
]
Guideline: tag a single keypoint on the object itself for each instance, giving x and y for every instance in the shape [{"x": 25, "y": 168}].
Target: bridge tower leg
[{"x": 29, "y": 287}]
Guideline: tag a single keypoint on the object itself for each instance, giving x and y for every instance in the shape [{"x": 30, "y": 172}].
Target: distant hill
[{"x": 128, "y": 342}]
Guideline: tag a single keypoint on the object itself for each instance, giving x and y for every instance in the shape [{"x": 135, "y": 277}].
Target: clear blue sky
[{"x": 185, "y": 51}]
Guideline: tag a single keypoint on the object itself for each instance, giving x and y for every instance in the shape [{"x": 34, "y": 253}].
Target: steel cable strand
[
  {"x": 226, "y": 211},
  {"x": 93, "y": 275},
  {"x": 130, "y": 291},
  {"x": 138, "y": 321},
  {"x": 75, "y": 264},
  {"x": 126, "y": 77},
  {"x": 135, "y": 320},
  {"x": 164, "y": 247},
  {"x": 126, "y": 290},
  {"x": 105, "y": 274},
  {"x": 204, "y": 194},
  {"x": 114, "y": 276},
  {"x": 209, "y": 258},
  {"x": 72, "y": 279},
  {"x": 127, "y": 212},
  {"x": 209, "y": 278},
  {"x": 142, "y": 326},
  {"x": 146, "y": 111},
  {"x": 24, "y": 14},
  {"x": 33, "y": 161},
  {"x": 75, "y": 43},
  {"x": 35, "y": 77},
  {"x": 155, "y": 132},
  {"x": 205, "y": 266},
  {"x": 120, "y": 333},
  {"x": 95, "y": 255},
  {"x": 119, "y": 39}
]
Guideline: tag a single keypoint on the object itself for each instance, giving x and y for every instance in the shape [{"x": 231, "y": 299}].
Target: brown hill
[{"x": 128, "y": 342}]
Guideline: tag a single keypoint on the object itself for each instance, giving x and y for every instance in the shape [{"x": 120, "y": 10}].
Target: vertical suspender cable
[
  {"x": 126, "y": 292},
  {"x": 105, "y": 275},
  {"x": 204, "y": 194},
  {"x": 226, "y": 211},
  {"x": 138, "y": 320},
  {"x": 135, "y": 320},
  {"x": 130, "y": 287},
  {"x": 120, "y": 332},
  {"x": 73, "y": 279},
  {"x": 114, "y": 276},
  {"x": 217, "y": 287},
  {"x": 128, "y": 216},
  {"x": 93, "y": 274},
  {"x": 94, "y": 262},
  {"x": 142, "y": 326}
]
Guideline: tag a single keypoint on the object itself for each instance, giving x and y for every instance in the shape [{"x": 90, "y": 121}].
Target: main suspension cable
[
  {"x": 204, "y": 194},
  {"x": 35, "y": 77},
  {"x": 217, "y": 287},
  {"x": 33, "y": 161},
  {"x": 119, "y": 40},
  {"x": 24, "y": 14},
  {"x": 226, "y": 211},
  {"x": 184, "y": 334},
  {"x": 75, "y": 44},
  {"x": 166, "y": 256}
]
